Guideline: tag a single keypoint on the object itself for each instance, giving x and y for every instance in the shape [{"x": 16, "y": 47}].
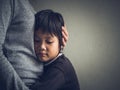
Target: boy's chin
[{"x": 44, "y": 60}]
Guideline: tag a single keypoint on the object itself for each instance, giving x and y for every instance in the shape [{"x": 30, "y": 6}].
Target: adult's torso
[{"x": 18, "y": 45}]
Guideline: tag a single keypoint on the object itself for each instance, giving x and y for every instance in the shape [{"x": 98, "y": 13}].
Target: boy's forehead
[{"x": 41, "y": 34}]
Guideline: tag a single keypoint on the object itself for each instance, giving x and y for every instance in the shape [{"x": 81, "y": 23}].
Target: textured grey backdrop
[{"x": 94, "y": 39}]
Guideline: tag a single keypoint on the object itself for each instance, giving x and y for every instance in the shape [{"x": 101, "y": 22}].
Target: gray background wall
[{"x": 94, "y": 39}]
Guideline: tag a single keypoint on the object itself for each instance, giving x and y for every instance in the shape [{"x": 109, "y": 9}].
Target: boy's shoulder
[
  {"x": 63, "y": 60},
  {"x": 63, "y": 63}
]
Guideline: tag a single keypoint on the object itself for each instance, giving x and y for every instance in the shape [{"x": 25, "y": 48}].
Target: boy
[{"x": 58, "y": 73}]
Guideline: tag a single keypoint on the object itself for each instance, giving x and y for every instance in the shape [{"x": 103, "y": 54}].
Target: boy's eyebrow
[{"x": 49, "y": 37}]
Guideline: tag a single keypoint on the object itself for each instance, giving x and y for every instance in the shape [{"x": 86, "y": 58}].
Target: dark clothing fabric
[{"x": 58, "y": 75}]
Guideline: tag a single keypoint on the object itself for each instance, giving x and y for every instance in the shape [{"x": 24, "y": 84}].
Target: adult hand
[{"x": 65, "y": 35}]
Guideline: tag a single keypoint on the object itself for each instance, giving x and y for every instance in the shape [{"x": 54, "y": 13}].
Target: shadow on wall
[{"x": 93, "y": 45}]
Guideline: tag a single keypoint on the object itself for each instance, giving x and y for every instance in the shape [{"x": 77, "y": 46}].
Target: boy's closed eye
[{"x": 49, "y": 42}]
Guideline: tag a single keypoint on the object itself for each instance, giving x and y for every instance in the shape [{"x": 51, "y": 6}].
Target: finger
[
  {"x": 64, "y": 30},
  {"x": 65, "y": 33},
  {"x": 64, "y": 42},
  {"x": 65, "y": 37}
]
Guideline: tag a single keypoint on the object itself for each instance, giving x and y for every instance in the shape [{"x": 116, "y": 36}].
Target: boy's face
[{"x": 46, "y": 46}]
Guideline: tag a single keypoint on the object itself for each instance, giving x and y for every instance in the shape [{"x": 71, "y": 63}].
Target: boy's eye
[{"x": 49, "y": 42}]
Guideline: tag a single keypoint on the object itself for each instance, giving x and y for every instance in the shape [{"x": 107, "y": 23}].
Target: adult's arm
[{"x": 9, "y": 80}]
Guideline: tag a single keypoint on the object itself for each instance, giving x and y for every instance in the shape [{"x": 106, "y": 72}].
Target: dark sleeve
[
  {"x": 53, "y": 79},
  {"x": 9, "y": 80}
]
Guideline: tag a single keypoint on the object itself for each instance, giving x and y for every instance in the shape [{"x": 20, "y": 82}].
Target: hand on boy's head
[{"x": 65, "y": 35}]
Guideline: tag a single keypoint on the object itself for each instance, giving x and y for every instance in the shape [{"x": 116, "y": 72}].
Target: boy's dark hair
[{"x": 49, "y": 22}]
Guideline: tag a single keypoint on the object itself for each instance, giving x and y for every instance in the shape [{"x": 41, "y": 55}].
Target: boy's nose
[{"x": 42, "y": 46}]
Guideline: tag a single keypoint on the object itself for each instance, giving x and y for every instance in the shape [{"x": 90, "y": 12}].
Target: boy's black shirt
[{"x": 58, "y": 75}]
